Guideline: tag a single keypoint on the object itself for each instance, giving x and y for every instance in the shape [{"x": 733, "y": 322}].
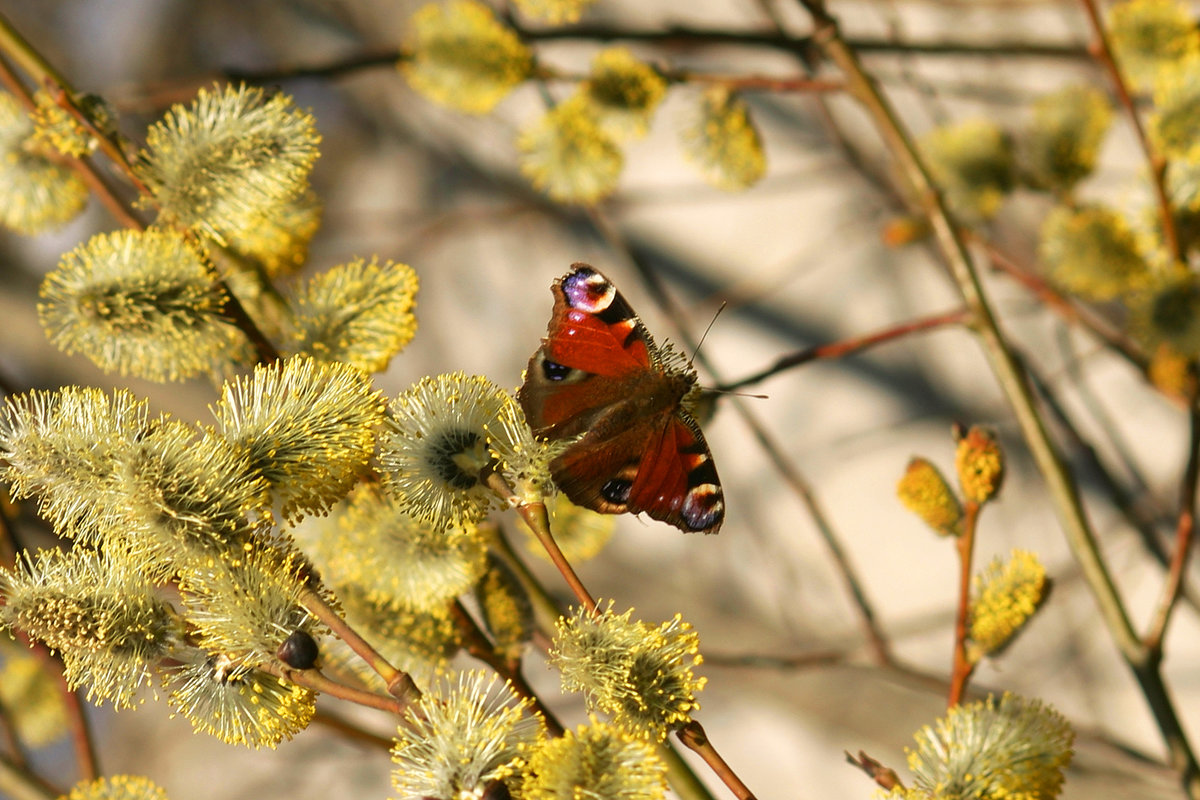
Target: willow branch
[
  {"x": 19, "y": 784},
  {"x": 1059, "y": 481},
  {"x": 1102, "y": 48},
  {"x": 695, "y": 739},
  {"x": 1066, "y": 308},
  {"x": 538, "y": 520},
  {"x": 399, "y": 684},
  {"x": 319, "y": 682},
  {"x": 680, "y": 775},
  {"x": 480, "y": 647},
  {"x": 351, "y": 730},
  {"x": 1060, "y": 484},
  {"x": 850, "y": 346},
  {"x": 963, "y": 667},
  {"x": 1185, "y": 530}
]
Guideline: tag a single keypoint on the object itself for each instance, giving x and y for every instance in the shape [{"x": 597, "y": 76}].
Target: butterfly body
[{"x": 600, "y": 380}]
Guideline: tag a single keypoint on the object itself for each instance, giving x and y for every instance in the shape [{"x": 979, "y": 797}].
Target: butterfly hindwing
[
  {"x": 677, "y": 481},
  {"x": 599, "y": 379}
]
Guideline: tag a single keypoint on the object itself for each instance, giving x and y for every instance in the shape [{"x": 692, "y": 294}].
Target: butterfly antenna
[
  {"x": 735, "y": 393},
  {"x": 719, "y": 389},
  {"x": 704, "y": 336}
]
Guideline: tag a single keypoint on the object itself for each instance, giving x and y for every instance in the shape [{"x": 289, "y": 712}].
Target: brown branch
[
  {"x": 886, "y": 777},
  {"x": 695, "y": 739},
  {"x": 538, "y": 520},
  {"x": 12, "y": 737},
  {"x": 1059, "y": 481},
  {"x": 1066, "y": 308},
  {"x": 1185, "y": 531},
  {"x": 82, "y": 739},
  {"x": 351, "y": 730},
  {"x": 82, "y": 166},
  {"x": 850, "y": 346},
  {"x": 681, "y": 36},
  {"x": 819, "y": 658},
  {"x": 319, "y": 682},
  {"x": 399, "y": 684},
  {"x": 1140, "y": 520},
  {"x": 19, "y": 784},
  {"x": 963, "y": 666},
  {"x": 479, "y": 646},
  {"x": 1102, "y": 50}
]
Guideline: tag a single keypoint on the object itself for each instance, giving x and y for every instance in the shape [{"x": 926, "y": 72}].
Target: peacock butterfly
[{"x": 600, "y": 380}]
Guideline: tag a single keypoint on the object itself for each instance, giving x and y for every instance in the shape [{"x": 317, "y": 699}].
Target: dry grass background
[{"x": 800, "y": 258}]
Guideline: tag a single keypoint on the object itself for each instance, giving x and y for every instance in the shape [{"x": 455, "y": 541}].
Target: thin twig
[
  {"x": 686, "y": 36},
  {"x": 1141, "y": 521},
  {"x": 478, "y": 646},
  {"x": 963, "y": 666},
  {"x": 1060, "y": 483},
  {"x": 680, "y": 775},
  {"x": 849, "y": 346},
  {"x": 319, "y": 682},
  {"x": 81, "y": 166},
  {"x": 19, "y": 784},
  {"x": 1185, "y": 531},
  {"x": 399, "y": 684},
  {"x": 1102, "y": 49},
  {"x": 885, "y": 776},
  {"x": 538, "y": 520},
  {"x": 11, "y": 736},
  {"x": 1068, "y": 309},
  {"x": 695, "y": 739},
  {"x": 351, "y": 730},
  {"x": 43, "y": 74},
  {"x": 82, "y": 739}
]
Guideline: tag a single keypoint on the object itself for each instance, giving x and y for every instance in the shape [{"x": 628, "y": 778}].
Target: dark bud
[
  {"x": 496, "y": 790},
  {"x": 299, "y": 651}
]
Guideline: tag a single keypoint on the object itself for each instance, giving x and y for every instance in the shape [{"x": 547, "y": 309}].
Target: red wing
[
  {"x": 567, "y": 408},
  {"x": 592, "y": 327},
  {"x": 596, "y": 376},
  {"x": 669, "y": 476},
  {"x": 595, "y": 349},
  {"x": 676, "y": 480}
]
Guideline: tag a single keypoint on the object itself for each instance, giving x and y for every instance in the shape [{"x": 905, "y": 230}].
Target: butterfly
[{"x": 601, "y": 381}]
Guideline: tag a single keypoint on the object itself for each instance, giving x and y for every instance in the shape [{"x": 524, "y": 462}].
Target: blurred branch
[
  {"x": 1059, "y": 481},
  {"x": 1184, "y": 533},
  {"x": 1102, "y": 49},
  {"x": 18, "y": 784},
  {"x": 849, "y": 346},
  {"x": 962, "y": 666}
]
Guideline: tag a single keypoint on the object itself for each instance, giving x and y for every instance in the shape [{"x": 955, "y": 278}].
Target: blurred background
[{"x": 799, "y": 258}]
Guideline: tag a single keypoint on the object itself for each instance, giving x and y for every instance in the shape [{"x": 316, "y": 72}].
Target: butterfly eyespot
[
  {"x": 617, "y": 491},
  {"x": 555, "y": 372},
  {"x": 588, "y": 290},
  {"x": 702, "y": 507}
]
